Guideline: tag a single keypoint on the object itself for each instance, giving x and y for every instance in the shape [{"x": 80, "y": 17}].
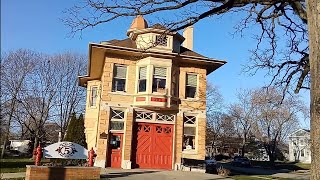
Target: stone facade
[{"x": 103, "y": 60}]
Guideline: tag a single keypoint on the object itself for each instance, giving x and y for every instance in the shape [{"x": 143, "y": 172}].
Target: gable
[{"x": 300, "y": 132}]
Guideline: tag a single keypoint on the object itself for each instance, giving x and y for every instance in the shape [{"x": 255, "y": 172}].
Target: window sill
[
  {"x": 191, "y": 151},
  {"x": 192, "y": 99},
  {"x": 116, "y": 131},
  {"x": 119, "y": 93},
  {"x": 92, "y": 107}
]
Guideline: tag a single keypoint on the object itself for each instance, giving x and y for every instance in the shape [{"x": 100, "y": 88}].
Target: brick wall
[
  {"x": 128, "y": 136},
  {"x": 65, "y": 173}
]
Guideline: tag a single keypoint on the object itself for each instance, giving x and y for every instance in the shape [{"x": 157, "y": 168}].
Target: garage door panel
[
  {"x": 153, "y": 146},
  {"x": 144, "y": 144},
  {"x": 163, "y": 145}
]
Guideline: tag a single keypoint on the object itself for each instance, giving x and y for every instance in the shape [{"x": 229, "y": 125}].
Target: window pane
[
  {"x": 115, "y": 142},
  {"x": 188, "y": 142},
  {"x": 189, "y": 131},
  {"x": 158, "y": 71},
  {"x": 161, "y": 40},
  {"x": 93, "y": 97},
  {"x": 191, "y": 91},
  {"x": 143, "y": 73},
  {"x": 120, "y": 71},
  {"x": 116, "y": 125},
  {"x": 142, "y": 85},
  {"x": 159, "y": 85},
  {"x": 119, "y": 84},
  {"x": 192, "y": 80},
  {"x": 189, "y": 120},
  {"x": 117, "y": 114}
]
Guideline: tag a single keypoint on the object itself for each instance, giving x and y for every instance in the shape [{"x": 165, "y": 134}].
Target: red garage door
[{"x": 152, "y": 146}]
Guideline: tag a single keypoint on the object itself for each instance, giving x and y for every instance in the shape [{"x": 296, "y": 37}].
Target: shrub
[{"x": 223, "y": 172}]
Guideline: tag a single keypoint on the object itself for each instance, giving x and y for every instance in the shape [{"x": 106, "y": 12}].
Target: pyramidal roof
[{"x": 139, "y": 23}]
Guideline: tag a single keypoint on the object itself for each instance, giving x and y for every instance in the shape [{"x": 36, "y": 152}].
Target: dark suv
[{"x": 241, "y": 162}]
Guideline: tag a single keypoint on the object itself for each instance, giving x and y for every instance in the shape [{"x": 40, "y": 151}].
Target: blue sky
[{"x": 35, "y": 25}]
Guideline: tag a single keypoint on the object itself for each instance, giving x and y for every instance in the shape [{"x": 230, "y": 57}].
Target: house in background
[
  {"x": 146, "y": 98},
  {"x": 299, "y": 146},
  {"x": 20, "y": 145}
]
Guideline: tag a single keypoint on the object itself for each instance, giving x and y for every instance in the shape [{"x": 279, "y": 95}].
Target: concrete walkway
[{"x": 140, "y": 174}]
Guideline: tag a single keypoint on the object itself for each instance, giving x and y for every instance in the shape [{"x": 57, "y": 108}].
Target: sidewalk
[
  {"x": 292, "y": 176},
  {"x": 137, "y": 174},
  {"x": 12, "y": 175}
]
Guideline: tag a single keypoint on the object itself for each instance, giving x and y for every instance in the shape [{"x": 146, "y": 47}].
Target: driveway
[{"x": 141, "y": 174}]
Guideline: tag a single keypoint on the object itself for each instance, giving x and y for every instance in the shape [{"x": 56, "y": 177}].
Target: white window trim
[
  {"x": 154, "y": 118},
  {"x": 195, "y": 150},
  {"x": 90, "y": 96},
  {"x": 166, "y": 78},
  {"x": 118, "y": 120}
]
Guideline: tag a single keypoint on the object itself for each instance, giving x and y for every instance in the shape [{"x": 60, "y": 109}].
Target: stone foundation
[{"x": 61, "y": 173}]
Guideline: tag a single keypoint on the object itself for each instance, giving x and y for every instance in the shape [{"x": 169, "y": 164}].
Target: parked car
[
  {"x": 211, "y": 165},
  {"x": 241, "y": 162},
  {"x": 210, "y": 161}
]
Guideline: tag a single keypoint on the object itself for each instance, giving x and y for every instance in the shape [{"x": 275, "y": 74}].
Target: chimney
[{"x": 188, "y": 35}]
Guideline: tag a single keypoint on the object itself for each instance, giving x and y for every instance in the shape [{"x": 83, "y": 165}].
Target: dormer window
[
  {"x": 159, "y": 79},
  {"x": 161, "y": 40}
]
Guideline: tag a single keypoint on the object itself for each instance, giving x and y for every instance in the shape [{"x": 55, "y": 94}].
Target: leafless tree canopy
[
  {"x": 282, "y": 43},
  {"x": 38, "y": 90}
]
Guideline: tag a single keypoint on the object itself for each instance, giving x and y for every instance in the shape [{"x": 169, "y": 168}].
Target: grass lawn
[
  {"x": 15, "y": 164},
  {"x": 256, "y": 177}
]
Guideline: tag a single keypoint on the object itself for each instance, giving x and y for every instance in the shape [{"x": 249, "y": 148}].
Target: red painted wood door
[
  {"x": 115, "y": 150},
  {"x": 153, "y": 146}
]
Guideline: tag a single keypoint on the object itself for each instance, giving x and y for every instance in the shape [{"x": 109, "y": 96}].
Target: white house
[
  {"x": 19, "y": 145},
  {"x": 299, "y": 146}
]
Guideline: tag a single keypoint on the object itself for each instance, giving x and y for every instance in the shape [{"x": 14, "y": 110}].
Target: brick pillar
[
  {"x": 178, "y": 140},
  {"x": 201, "y": 137},
  {"x": 126, "y": 161},
  {"x": 102, "y": 144}
]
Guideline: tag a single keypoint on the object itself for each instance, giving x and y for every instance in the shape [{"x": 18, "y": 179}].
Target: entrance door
[
  {"x": 153, "y": 146},
  {"x": 115, "y": 150}
]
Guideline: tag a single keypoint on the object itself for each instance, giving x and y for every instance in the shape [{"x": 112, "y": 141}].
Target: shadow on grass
[{"x": 265, "y": 168}]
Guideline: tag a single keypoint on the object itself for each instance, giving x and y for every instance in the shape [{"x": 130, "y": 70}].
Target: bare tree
[
  {"x": 70, "y": 97},
  {"x": 275, "y": 118},
  {"x": 288, "y": 63},
  {"x": 243, "y": 113},
  {"x": 39, "y": 89},
  {"x": 15, "y": 67},
  {"x": 214, "y": 105},
  {"x": 37, "y": 100}
]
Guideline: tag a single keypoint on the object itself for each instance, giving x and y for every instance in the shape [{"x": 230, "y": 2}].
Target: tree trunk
[
  {"x": 6, "y": 134},
  {"x": 313, "y": 10},
  {"x": 243, "y": 148}
]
